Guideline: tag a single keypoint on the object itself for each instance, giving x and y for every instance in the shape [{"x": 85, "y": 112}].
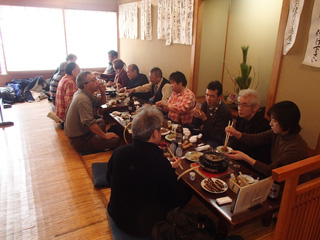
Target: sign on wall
[
  {"x": 312, "y": 57},
  {"x": 175, "y": 21},
  {"x": 290, "y": 34},
  {"x": 128, "y": 20}
]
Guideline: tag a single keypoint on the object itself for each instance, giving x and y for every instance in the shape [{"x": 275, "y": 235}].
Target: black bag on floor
[{"x": 185, "y": 225}]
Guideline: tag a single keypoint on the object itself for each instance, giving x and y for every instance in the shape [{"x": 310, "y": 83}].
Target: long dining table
[{"x": 227, "y": 219}]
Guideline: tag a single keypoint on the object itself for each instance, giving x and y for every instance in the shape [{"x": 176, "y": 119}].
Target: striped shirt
[
  {"x": 180, "y": 105},
  {"x": 66, "y": 88}
]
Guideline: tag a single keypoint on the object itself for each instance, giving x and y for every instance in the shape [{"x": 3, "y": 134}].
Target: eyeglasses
[{"x": 244, "y": 105}]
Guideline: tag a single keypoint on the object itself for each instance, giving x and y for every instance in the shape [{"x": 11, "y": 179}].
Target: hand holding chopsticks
[
  {"x": 174, "y": 157},
  {"x": 227, "y": 135}
]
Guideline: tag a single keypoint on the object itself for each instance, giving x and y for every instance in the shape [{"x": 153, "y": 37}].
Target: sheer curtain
[
  {"x": 91, "y": 35},
  {"x": 39, "y": 38},
  {"x": 33, "y": 38}
]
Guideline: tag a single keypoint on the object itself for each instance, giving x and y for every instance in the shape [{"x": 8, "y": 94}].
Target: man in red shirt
[
  {"x": 66, "y": 88},
  {"x": 181, "y": 101}
]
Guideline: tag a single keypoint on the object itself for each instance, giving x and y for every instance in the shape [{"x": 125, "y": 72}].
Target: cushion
[{"x": 99, "y": 173}]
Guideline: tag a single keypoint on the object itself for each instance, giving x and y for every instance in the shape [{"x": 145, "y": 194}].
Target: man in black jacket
[
  {"x": 251, "y": 120},
  {"x": 144, "y": 186},
  {"x": 213, "y": 116}
]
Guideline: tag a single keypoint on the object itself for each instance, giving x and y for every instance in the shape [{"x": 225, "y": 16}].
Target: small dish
[
  {"x": 248, "y": 178},
  {"x": 221, "y": 150},
  {"x": 170, "y": 137},
  {"x": 116, "y": 113},
  {"x": 164, "y": 131}
]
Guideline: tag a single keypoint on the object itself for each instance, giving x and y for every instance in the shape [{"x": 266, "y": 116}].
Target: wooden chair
[
  {"x": 125, "y": 130},
  {"x": 299, "y": 214}
]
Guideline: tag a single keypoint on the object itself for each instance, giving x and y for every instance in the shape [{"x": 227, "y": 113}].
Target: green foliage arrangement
[{"x": 244, "y": 81}]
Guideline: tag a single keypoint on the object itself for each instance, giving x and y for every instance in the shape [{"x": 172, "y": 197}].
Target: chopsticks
[
  {"x": 227, "y": 135},
  {"x": 174, "y": 157}
]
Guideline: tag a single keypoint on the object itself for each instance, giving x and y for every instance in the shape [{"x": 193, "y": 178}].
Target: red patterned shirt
[
  {"x": 66, "y": 88},
  {"x": 180, "y": 106}
]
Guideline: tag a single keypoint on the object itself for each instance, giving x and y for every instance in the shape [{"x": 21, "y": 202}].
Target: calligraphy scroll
[
  {"x": 175, "y": 21},
  {"x": 311, "y": 57},
  {"x": 292, "y": 24},
  {"x": 146, "y": 24},
  {"x": 128, "y": 20},
  {"x": 161, "y": 29}
]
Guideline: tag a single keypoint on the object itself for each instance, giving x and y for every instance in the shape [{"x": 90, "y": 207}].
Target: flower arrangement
[
  {"x": 244, "y": 80},
  {"x": 231, "y": 98}
]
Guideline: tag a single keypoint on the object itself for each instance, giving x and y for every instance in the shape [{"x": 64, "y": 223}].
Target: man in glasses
[
  {"x": 85, "y": 133},
  {"x": 251, "y": 120},
  {"x": 213, "y": 116}
]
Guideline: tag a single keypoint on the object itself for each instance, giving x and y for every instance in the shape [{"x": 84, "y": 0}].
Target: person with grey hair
[
  {"x": 136, "y": 79},
  {"x": 85, "y": 133},
  {"x": 144, "y": 186},
  {"x": 251, "y": 120}
]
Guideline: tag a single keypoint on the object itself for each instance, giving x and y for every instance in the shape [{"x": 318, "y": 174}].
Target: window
[
  {"x": 40, "y": 38},
  {"x": 91, "y": 35}
]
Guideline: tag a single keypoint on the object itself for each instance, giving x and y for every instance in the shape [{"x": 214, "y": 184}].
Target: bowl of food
[
  {"x": 224, "y": 149},
  {"x": 193, "y": 156},
  {"x": 214, "y": 162}
]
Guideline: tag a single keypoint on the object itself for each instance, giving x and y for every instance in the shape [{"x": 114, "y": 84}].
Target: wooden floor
[{"x": 46, "y": 189}]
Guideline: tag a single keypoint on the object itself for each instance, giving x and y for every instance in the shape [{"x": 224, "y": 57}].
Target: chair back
[{"x": 299, "y": 214}]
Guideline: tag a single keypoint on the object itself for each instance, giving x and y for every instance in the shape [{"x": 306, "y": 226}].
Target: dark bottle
[
  {"x": 131, "y": 107},
  {"x": 274, "y": 191},
  {"x": 179, "y": 132}
]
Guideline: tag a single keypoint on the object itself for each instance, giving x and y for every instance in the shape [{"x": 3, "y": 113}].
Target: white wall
[{"x": 254, "y": 23}]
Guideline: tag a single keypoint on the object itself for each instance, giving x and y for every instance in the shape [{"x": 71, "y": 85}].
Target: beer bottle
[
  {"x": 131, "y": 107},
  {"x": 179, "y": 132}
]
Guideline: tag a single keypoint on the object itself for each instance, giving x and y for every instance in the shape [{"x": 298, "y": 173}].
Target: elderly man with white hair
[{"x": 251, "y": 120}]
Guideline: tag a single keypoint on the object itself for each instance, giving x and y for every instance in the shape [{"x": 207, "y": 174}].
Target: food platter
[
  {"x": 220, "y": 149},
  {"x": 205, "y": 182},
  {"x": 164, "y": 131},
  {"x": 193, "y": 156},
  {"x": 170, "y": 137}
]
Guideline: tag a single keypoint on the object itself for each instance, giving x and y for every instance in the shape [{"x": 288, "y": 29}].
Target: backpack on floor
[{"x": 185, "y": 225}]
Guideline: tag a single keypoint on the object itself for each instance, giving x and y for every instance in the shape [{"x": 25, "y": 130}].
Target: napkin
[{"x": 202, "y": 148}]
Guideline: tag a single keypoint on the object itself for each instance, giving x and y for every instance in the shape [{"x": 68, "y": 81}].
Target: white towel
[{"x": 202, "y": 148}]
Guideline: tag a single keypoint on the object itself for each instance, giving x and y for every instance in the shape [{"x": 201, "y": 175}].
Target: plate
[
  {"x": 170, "y": 137},
  {"x": 248, "y": 178},
  {"x": 116, "y": 113},
  {"x": 164, "y": 131},
  {"x": 193, "y": 156},
  {"x": 203, "y": 183},
  {"x": 219, "y": 149}
]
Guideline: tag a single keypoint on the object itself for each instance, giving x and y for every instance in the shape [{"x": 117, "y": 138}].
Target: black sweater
[{"x": 144, "y": 188}]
